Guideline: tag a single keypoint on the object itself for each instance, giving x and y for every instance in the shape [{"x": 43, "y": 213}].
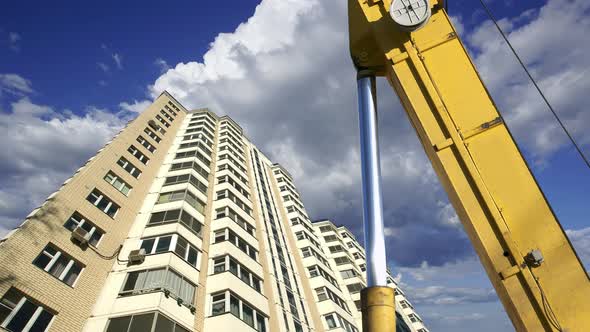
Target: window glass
[
  {"x": 261, "y": 323},
  {"x": 148, "y": 245},
  {"x": 22, "y": 317},
  {"x": 163, "y": 244},
  {"x": 181, "y": 246},
  {"x": 142, "y": 323},
  {"x": 42, "y": 322},
  {"x": 218, "y": 306},
  {"x": 234, "y": 306},
  {"x": 119, "y": 324},
  {"x": 248, "y": 315},
  {"x": 192, "y": 256},
  {"x": 163, "y": 324},
  {"x": 330, "y": 321}
]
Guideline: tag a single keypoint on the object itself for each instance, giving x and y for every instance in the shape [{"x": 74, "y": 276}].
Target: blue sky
[{"x": 72, "y": 74}]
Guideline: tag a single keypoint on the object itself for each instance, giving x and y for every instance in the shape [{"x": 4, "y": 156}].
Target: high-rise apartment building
[{"x": 181, "y": 224}]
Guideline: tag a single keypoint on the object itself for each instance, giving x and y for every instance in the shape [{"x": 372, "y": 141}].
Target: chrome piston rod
[{"x": 371, "y": 178}]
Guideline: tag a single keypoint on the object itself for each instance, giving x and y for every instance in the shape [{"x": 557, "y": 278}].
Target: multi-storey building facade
[
  {"x": 179, "y": 224},
  {"x": 347, "y": 257}
]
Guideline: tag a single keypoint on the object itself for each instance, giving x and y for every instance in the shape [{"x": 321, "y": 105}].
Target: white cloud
[
  {"x": 286, "y": 76},
  {"x": 15, "y": 84},
  {"x": 103, "y": 66},
  {"x": 135, "y": 106},
  {"x": 13, "y": 41},
  {"x": 540, "y": 36},
  {"x": 118, "y": 59},
  {"x": 162, "y": 65},
  {"x": 581, "y": 241},
  {"x": 42, "y": 147}
]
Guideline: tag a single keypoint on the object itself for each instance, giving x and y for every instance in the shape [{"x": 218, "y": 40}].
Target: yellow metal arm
[{"x": 525, "y": 252}]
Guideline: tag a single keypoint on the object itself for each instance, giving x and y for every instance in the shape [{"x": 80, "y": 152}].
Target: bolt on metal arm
[{"x": 377, "y": 300}]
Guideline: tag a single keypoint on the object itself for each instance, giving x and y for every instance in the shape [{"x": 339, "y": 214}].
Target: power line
[{"x": 571, "y": 138}]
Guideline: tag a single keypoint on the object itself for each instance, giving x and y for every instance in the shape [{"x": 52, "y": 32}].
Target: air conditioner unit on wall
[
  {"x": 137, "y": 256},
  {"x": 80, "y": 235}
]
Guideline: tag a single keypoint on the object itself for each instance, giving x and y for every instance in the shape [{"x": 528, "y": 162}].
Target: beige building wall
[
  {"x": 71, "y": 305},
  {"x": 242, "y": 256}
]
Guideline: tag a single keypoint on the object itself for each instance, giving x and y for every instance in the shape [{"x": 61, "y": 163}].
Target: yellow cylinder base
[{"x": 378, "y": 309}]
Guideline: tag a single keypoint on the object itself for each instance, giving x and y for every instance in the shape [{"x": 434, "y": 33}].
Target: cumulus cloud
[
  {"x": 15, "y": 84},
  {"x": 581, "y": 241},
  {"x": 439, "y": 295},
  {"x": 135, "y": 106},
  {"x": 540, "y": 36},
  {"x": 294, "y": 94},
  {"x": 42, "y": 147}
]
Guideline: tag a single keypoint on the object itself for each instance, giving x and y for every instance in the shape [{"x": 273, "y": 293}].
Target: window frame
[{"x": 54, "y": 258}]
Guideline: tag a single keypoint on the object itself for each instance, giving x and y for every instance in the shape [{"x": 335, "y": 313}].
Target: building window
[
  {"x": 196, "y": 134},
  {"x": 315, "y": 271},
  {"x": 186, "y": 178},
  {"x": 330, "y": 238},
  {"x": 171, "y": 243},
  {"x": 137, "y": 154},
  {"x": 330, "y": 321},
  {"x": 190, "y": 165},
  {"x": 193, "y": 154},
  {"x": 152, "y": 135},
  {"x": 227, "y": 234},
  {"x": 129, "y": 167},
  {"x": 230, "y": 168},
  {"x": 198, "y": 144},
  {"x": 355, "y": 288},
  {"x": 334, "y": 320},
  {"x": 159, "y": 280},
  {"x": 20, "y": 313},
  {"x": 233, "y": 160},
  {"x": 336, "y": 249},
  {"x": 346, "y": 274},
  {"x": 103, "y": 203},
  {"x": 157, "y": 128},
  {"x": 228, "y": 212},
  {"x": 414, "y": 318},
  {"x": 118, "y": 183},
  {"x": 233, "y": 183},
  {"x": 230, "y": 264},
  {"x": 144, "y": 322},
  {"x": 166, "y": 115},
  {"x": 166, "y": 124},
  {"x": 182, "y": 195},
  {"x": 59, "y": 265},
  {"x": 363, "y": 267},
  {"x": 222, "y": 194},
  {"x": 227, "y": 301},
  {"x": 177, "y": 215},
  {"x": 323, "y": 293},
  {"x": 325, "y": 229},
  {"x": 342, "y": 260},
  {"x": 358, "y": 305},
  {"x": 146, "y": 144},
  {"x": 77, "y": 220}
]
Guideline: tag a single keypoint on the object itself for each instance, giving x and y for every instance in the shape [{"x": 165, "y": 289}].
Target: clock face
[{"x": 410, "y": 15}]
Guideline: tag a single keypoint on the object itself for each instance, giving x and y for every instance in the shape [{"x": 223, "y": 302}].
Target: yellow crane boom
[{"x": 525, "y": 252}]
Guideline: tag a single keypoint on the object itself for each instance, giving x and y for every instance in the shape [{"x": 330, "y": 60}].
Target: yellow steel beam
[{"x": 501, "y": 206}]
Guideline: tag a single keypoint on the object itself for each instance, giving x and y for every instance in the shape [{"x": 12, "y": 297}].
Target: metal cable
[{"x": 571, "y": 138}]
